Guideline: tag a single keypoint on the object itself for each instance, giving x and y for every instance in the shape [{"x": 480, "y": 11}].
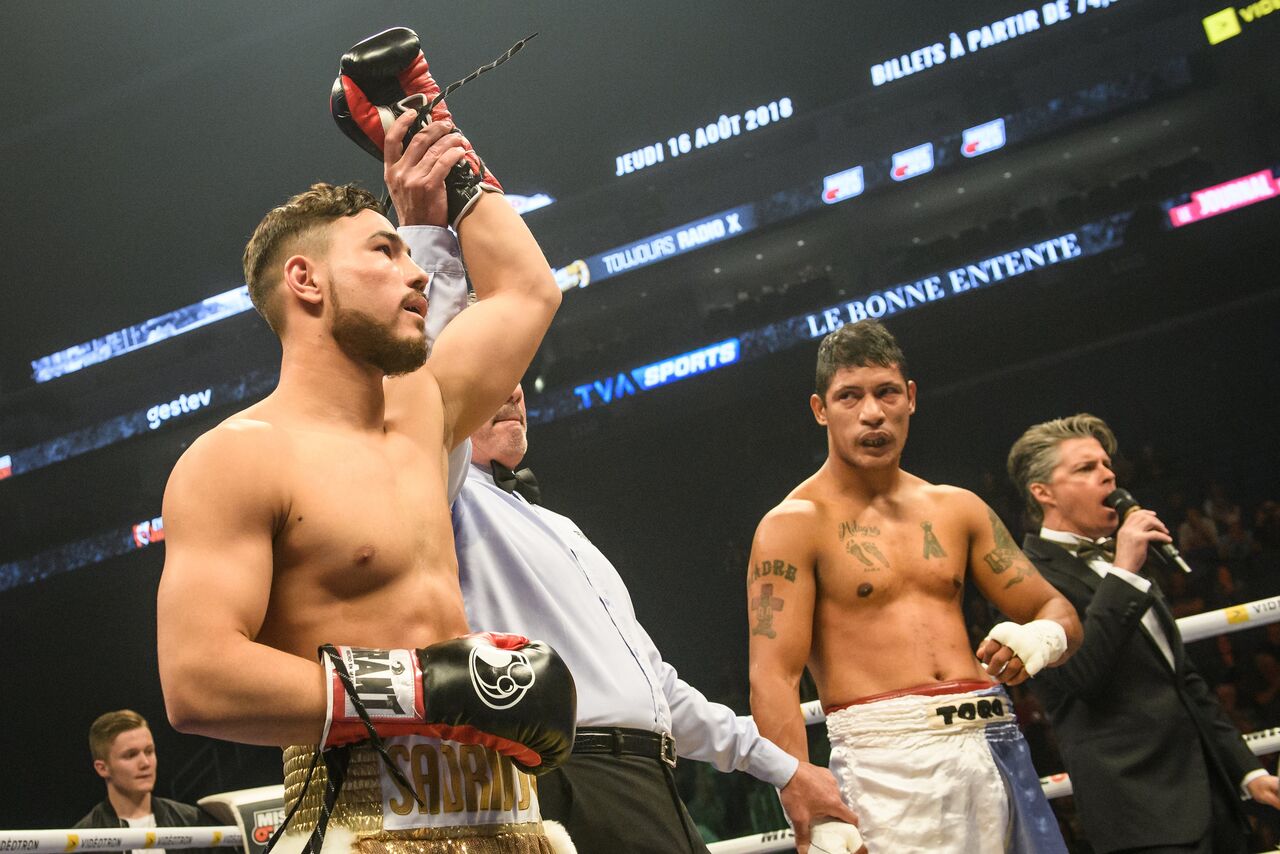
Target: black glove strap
[
  {"x": 336, "y": 762},
  {"x": 424, "y": 111},
  {"x": 457, "y": 84},
  {"x": 378, "y": 744},
  {"x": 306, "y": 785}
]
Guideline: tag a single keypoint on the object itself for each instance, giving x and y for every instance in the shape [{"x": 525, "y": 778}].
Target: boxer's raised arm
[
  {"x": 485, "y": 351},
  {"x": 1009, "y": 581},
  {"x": 780, "y": 602},
  {"x": 221, "y": 510}
]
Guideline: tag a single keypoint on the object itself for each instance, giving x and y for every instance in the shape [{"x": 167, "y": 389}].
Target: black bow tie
[
  {"x": 1088, "y": 550},
  {"x": 521, "y": 481}
]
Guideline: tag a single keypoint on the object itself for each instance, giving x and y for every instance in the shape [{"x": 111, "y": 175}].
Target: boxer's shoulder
[
  {"x": 239, "y": 466},
  {"x": 944, "y": 501},
  {"x": 794, "y": 515},
  {"x": 240, "y": 443}
]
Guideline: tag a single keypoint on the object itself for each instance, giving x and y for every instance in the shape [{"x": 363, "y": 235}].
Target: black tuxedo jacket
[{"x": 1142, "y": 741}]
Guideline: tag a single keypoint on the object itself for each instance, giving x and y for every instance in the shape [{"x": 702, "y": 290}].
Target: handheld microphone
[{"x": 1123, "y": 503}]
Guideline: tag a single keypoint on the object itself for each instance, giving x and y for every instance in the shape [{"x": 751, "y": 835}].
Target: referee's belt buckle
[{"x": 667, "y": 749}]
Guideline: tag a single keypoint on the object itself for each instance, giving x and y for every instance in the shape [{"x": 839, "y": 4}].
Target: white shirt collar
[{"x": 1066, "y": 538}]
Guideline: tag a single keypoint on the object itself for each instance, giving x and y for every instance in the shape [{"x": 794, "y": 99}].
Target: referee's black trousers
[{"x": 619, "y": 805}]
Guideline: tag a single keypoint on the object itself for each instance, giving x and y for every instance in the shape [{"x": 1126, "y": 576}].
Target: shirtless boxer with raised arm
[
  {"x": 858, "y": 574},
  {"x": 306, "y": 520}
]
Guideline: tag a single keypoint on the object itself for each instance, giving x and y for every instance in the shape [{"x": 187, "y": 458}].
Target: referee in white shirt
[{"x": 526, "y": 569}]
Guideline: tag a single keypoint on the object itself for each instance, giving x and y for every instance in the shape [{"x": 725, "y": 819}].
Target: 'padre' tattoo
[
  {"x": 1006, "y": 555},
  {"x": 932, "y": 548},
  {"x": 765, "y": 605},
  {"x": 778, "y": 568}
]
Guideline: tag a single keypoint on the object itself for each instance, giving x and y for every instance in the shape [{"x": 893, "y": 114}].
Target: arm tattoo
[
  {"x": 932, "y": 548},
  {"x": 775, "y": 568},
  {"x": 1006, "y": 554},
  {"x": 764, "y": 606}
]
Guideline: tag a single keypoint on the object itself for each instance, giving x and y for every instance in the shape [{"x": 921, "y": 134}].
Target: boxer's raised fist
[{"x": 384, "y": 76}]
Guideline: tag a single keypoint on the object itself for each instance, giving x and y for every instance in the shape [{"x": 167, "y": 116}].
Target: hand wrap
[
  {"x": 835, "y": 837},
  {"x": 1038, "y": 643}
]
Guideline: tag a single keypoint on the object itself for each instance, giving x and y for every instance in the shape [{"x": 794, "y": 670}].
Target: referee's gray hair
[{"x": 1034, "y": 456}]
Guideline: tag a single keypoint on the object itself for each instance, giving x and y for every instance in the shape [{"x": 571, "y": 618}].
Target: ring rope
[
  {"x": 1196, "y": 627},
  {"x": 119, "y": 838}
]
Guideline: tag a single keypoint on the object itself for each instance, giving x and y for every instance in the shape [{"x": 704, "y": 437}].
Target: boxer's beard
[{"x": 364, "y": 339}]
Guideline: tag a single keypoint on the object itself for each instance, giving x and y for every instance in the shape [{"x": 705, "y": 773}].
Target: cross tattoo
[{"x": 766, "y": 604}]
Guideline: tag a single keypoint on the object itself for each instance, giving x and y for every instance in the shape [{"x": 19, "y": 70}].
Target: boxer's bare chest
[
  {"x": 364, "y": 514},
  {"x": 872, "y": 556}
]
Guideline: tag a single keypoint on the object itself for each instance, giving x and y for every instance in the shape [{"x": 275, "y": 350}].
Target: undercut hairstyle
[
  {"x": 302, "y": 218},
  {"x": 857, "y": 345},
  {"x": 103, "y": 732},
  {"x": 1034, "y": 456}
]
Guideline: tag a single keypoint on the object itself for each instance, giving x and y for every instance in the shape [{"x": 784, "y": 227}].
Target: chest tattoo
[
  {"x": 850, "y": 529},
  {"x": 861, "y": 552},
  {"x": 932, "y": 548}
]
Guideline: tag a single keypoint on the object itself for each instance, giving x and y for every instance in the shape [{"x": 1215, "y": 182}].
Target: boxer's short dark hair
[
  {"x": 1034, "y": 456},
  {"x": 302, "y": 217},
  {"x": 103, "y": 731},
  {"x": 859, "y": 345}
]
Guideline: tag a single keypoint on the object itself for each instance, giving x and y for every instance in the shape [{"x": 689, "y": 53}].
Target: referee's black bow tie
[
  {"x": 521, "y": 481},
  {"x": 1106, "y": 550}
]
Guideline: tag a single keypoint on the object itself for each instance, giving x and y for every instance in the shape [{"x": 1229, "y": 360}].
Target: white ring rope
[
  {"x": 118, "y": 839},
  {"x": 1196, "y": 627}
]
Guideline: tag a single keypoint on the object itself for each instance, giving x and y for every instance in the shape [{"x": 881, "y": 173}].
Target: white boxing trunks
[
  {"x": 941, "y": 768},
  {"x": 473, "y": 801}
]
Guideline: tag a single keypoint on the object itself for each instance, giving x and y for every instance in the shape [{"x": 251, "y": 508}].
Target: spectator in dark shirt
[{"x": 124, "y": 755}]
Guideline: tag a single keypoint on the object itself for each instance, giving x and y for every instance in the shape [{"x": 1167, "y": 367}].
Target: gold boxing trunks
[{"x": 476, "y": 802}]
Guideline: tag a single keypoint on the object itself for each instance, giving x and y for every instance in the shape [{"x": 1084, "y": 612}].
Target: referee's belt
[{"x": 621, "y": 741}]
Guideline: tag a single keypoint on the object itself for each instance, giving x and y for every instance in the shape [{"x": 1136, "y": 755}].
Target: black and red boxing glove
[
  {"x": 503, "y": 691},
  {"x": 381, "y": 78}
]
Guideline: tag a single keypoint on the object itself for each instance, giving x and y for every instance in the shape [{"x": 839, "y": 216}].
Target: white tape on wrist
[
  {"x": 835, "y": 837},
  {"x": 1038, "y": 643}
]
